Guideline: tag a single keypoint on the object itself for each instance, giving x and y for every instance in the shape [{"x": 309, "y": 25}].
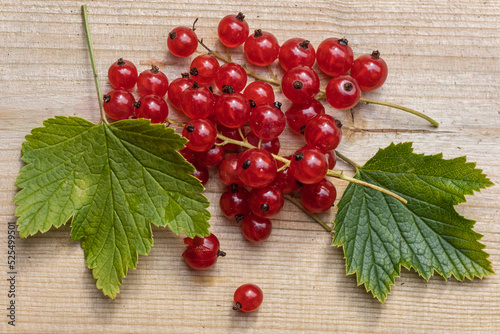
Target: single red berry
[
  {"x": 230, "y": 133},
  {"x": 118, "y": 104},
  {"x": 343, "y": 92},
  {"x": 331, "y": 157},
  {"x": 266, "y": 202},
  {"x": 323, "y": 132},
  {"x": 261, "y": 48},
  {"x": 176, "y": 88},
  {"x": 122, "y": 74},
  {"x": 186, "y": 153},
  {"x": 198, "y": 102},
  {"x": 247, "y": 298},
  {"x": 309, "y": 165},
  {"x": 202, "y": 253},
  {"x": 255, "y": 228},
  {"x": 234, "y": 202},
  {"x": 200, "y": 133},
  {"x": 296, "y": 52},
  {"x": 233, "y": 30},
  {"x": 203, "y": 69},
  {"x": 152, "y": 107},
  {"x": 272, "y": 146},
  {"x": 285, "y": 179},
  {"x": 232, "y": 109},
  {"x": 256, "y": 168},
  {"x": 153, "y": 82},
  {"x": 267, "y": 121},
  {"x": 231, "y": 74},
  {"x": 300, "y": 84},
  {"x": 201, "y": 172},
  {"x": 369, "y": 71},
  {"x": 299, "y": 114},
  {"x": 211, "y": 158},
  {"x": 259, "y": 92},
  {"x": 334, "y": 56},
  {"x": 318, "y": 197},
  {"x": 182, "y": 41},
  {"x": 228, "y": 170}
]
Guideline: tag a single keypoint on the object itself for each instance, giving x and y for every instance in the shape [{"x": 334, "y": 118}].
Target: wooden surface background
[{"x": 444, "y": 60}]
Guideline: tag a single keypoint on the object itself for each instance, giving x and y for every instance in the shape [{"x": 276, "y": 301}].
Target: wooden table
[{"x": 444, "y": 61}]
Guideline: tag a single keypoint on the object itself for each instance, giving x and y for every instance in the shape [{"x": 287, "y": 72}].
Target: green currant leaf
[
  {"x": 112, "y": 181},
  {"x": 379, "y": 234}
]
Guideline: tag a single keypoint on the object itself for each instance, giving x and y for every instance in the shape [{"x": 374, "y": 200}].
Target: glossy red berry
[
  {"x": 255, "y": 228},
  {"x": 296, "y": 52},
  {"x": 261, "y": 48},
  {"x": 259, "y": 92},
  {"x": 234, "y": 202},
  {"x": 202, "y": 253},
  {"x": 331, "y": 157},
  {"x": 122, "y": 74},
  {"x": 152, "y": 107},
  {"x": 231, "y": 74},
  {"x": 186, "y": 153},
  {"x": 153, "y": 82},
  {"x": 211, "y": 158},
  {"x": 256, "y": 168},
  {"x": 228, "y": 170},
  {"x": 182, "y": 41},
  {"x": 369, "y": 71},
  {"x": 285, "y": 179},
  {"x": 309, "y": 165},
  {"x": 334, "y": 56},
  {"x": 318, "y": 197},
  {"x": 266, "y": 202},
  {"x": 203, "y": 69},
  {"x": 300, "y": 84},
  {"x": 248, "y": 298},
  {"x": 177, "y": 88},
  {"x": 118, "y": 104},
  {"x": 267, "y": 121},
  {"x": 232, "y": 109},
  {"x": 200, "y": 133},
  {"x": 343, "y": 92},
  {"x": 323, "y": 132},
  {"x": 233, "y": 30},
  {"x": 272, "y": 146},
  {"x": 201, "y": 172},
  {"x": 299, "y": 114},
  {"x": 197, "y": 102}
]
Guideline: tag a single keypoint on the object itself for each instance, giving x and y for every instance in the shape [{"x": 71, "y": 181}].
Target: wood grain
[{"x": 443, "y": 60}]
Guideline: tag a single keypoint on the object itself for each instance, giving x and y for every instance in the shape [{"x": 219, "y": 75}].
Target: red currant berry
[
  {"x": 201, "y": 172},
  {"x": 203, "y": 69},
  {"x": 296, "y": 52},
  {"x": 334, "y": 56},
  {"x": 228, "y": 170},
  {"x": 285, "y": 180},
  {"x": 369, "y": 71},
  {"x": 261, "y": 48},
  {"x": 232, "y": 109},
  {"x": 299, "y": 114},
  {"x": 267, "y": 121},
  {"x": 234, "y": 202},
  {"x": 177, "y": 88},
  {"x": 255, "y": 228},
  {"x": 271, "y": 146},
  {"x": 122, "y": 74},
  {"x": 343, "y": 92},
  {"x": 230, "y": 133},
  {"x": 318, "y": 197},
  {"x": 331, "y": 157},
  {"x": 198, "y": 102},
  {"x": 309, "y": 165},
  {"x": 211, "y": 158},
  {"x": 186, "y": 153},
  {"x": 323, "y": 132},
  {"x": 202, "y": 253},
  {"x": 300, "y": 84},
  {"x": 200, "y": 133},
  {"x": 152, "y": 107},
  {"x": 266, "y": 202},
  {"x": 247, "y": 298},
  {"x": 118, "y": 104},
  {"x": 259, "y": 92},
  {"x": 256, "y": 168},
  {"x": 231, "y": 74},
  {"x": 182, "y": 42},
  {"x": 153, "y": 82},
  {"x": 233, "y": 30}
]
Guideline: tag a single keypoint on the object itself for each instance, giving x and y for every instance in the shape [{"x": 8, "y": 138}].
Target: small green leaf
[
  {"x": 113, "y": 181},
  {"x": 380, "y": 234}
]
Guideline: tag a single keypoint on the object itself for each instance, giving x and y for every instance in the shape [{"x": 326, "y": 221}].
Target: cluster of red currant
[{"x": 258, "y": 177}]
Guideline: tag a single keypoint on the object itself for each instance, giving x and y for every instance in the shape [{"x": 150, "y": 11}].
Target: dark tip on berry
[
  {"x": 305, "y": 44},
  {"x": 302, "y": 129},
  {"x": 106, "y": 98},
  {"x": 343, "y": 41},
  {"x": 221, "y": 253},
  {"x": 375, "y": 54},
  {"x": 338, "y": 123},
  {"x": 120, "y": 62},
  {"x": 298, "y": 84},
  {"x": 237, "y": 306},
  {"x": 195, "y": 85},
  {"x": 234, "y": 188},
  {"x": 246, "y": 164},
  {"x": 252, "y": 104},
  {"x": 239, "y": 218},
  {"x": 227, "y": 89},
  {"x": 348, "y": 86},
  {"x": 240, "y": 17},
  {"x": 264, "y": 207},
  {"x": 190, "y": 128},
  {"x": 299, "y": 183},
  {"x": 172, "y": 35},
  {"x": 299, "y": 156},
  {"x": 136, "y": 104},
  {"x": 155, "y": 69},
  {"x": 257, "y": 33},
  {"x": 185, "y": 75},
  {"x": 277, "y": 105},
  {"x": 194, "y": 71}
]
